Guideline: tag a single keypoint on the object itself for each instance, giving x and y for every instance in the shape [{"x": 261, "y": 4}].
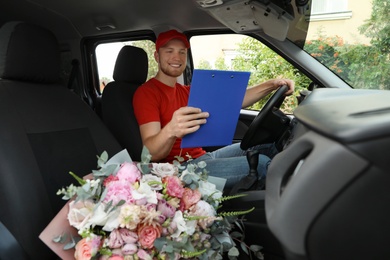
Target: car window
[
  {"x": 244, "y": 53},
  {"x": 351, "y": 38},
  {"x": 106, "y": 54}
]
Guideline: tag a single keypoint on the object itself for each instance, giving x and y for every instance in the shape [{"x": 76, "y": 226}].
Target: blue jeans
[{"x": 230, "y": 162}]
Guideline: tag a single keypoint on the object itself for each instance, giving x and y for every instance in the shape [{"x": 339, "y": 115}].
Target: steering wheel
[{"x": 259, "y": 131}]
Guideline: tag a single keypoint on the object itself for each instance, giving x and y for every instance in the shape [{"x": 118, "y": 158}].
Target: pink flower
[
  {"x": 109, "y": 179},
  {"x": 129, "y": 249},
  {"x": 116, "y": 257},
  {"x": 115, "y": 239},
  {"x": 189, "y": 198},
  {"x": 117, "y": 191},
  {"x": 129, "y": 237},
  {"x": 129, "y": 172},
  {"x": 83, "y": 250},
  {"x": 147, "y": 234},
  {"x": 166, "y": 209},
  {"x": 143, "y": 255},
  {"x": 174, "y": 186}
]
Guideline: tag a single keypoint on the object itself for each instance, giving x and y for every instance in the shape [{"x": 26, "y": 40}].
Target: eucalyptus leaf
[
  {"x": 255, "y": 248},
  {"x": 102, "y": 159},
  {"x": 233, "y": 252},
  {"x": 60, "y": 239},
  {"x": 244, "y": 248},
  {"x": 145, "y": 155}
]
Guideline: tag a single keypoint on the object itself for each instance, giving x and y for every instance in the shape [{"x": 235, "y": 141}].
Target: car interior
[{"x": 326, "y": 192}]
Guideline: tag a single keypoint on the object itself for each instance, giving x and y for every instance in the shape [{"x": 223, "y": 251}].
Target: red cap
[{"x": 165, "y": 37}]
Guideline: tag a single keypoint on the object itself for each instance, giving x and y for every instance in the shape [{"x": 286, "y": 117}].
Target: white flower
[
  {"x": 145, "y": 192},
  {"x": 152, "y": 181},
  {"x": 164, "y": 169},
  {"x": 80, "y": 212},
  {"x": 182, "y": 226},
  {"x": 129, "y": 216},
  {"x": 109, "y": 219},
  {"x": 209, "y": 189}
]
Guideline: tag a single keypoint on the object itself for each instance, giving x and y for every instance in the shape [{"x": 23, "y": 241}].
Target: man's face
[{"x": 172, "y": 58}]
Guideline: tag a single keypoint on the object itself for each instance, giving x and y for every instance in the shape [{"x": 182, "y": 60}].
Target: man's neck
[{"x": 167, "y": 80}]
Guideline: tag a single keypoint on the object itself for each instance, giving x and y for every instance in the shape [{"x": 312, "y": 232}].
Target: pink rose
[
  {"x": 115, "y": 239},
  {"x": 174, "y": 186},
  {"x": 189, "y": 198},
  {"x": 147, "y": 234},
  {"x": 83, "y": 250},
  {"x": 129, "y": 237},
  {"x": 116, "y": 257},
  {"x": 129, "y": 172},
  {"x": 117, "y": 191}
]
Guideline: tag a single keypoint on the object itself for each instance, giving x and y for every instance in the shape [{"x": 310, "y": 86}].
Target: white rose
[
  {"x": 164, "y": 169},
  {"x": 80, "y": 212}
]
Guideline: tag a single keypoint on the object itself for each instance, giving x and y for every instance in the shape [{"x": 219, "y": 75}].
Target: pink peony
[
  {"x": 189, "y": 198},
  {"x": 83, "y": 250},
  {"x": 117, "y": 191},
  {"x": 174, "y": 187},
  {"x": 147, "y": 234},
  {"x": 129, "y": 172}
]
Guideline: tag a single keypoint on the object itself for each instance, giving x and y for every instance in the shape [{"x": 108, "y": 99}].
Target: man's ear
[{"x": 156, "y": 56}]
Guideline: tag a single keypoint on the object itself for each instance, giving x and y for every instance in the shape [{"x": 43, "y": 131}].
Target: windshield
[{"x": 351, "y": 38}]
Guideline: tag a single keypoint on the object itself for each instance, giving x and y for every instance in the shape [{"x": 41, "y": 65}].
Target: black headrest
[
  {"x": 28, "y": 53},
  {"x": 131, "y": 65}
]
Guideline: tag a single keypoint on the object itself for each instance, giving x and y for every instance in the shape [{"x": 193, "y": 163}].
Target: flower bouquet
[{"x": 128, "y": 210}]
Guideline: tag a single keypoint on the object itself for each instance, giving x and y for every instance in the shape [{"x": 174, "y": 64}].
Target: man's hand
[
  {"x": 277, "y": 83},
  {"x": 186, "y": 120}
]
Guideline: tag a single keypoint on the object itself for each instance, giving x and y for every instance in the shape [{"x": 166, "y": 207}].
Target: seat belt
[
  {"x": 75, "y": 83},
  {"x": 9, "y": 246}
]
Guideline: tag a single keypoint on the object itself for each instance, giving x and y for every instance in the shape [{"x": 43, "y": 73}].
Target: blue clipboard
[{"x": 221, "y": 94}]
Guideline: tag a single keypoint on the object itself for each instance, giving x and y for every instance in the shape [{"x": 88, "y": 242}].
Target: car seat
[
  {"x": 45, "y": 132},
  {"x": 131, "y": 70}
]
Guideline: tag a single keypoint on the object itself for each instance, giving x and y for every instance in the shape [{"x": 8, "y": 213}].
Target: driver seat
[{"x": 130, "y": 72}]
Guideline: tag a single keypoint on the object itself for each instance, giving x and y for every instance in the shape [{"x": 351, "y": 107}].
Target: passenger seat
[{"x": 45, "y": 132}]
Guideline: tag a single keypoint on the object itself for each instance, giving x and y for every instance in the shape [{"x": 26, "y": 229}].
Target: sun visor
[{"x": 273, "y": 18}]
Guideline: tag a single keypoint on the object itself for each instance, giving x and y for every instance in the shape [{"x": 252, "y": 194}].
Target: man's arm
[
  {"x": 159, "y": 141},
  {"x": 257, "y": 92}
]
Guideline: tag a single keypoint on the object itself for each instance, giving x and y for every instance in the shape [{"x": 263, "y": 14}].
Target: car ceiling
[{"x": 73, "y": 19}]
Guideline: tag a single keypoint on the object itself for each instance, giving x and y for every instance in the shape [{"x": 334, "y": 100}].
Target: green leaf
[
  {"x": 102, "y": 159},
  {"x": 81, "y": 181},
  {"x": 233, "y": 252},
  {"x": 145, "y": 155}
]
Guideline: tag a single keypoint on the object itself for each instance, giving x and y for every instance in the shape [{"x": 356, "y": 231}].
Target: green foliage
[
  {"x": 265, "y": 64},
  {"x": 360, "y": 65},
  {"x": 205, "y": 65},
  {"x": 150, "y": 48}
]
